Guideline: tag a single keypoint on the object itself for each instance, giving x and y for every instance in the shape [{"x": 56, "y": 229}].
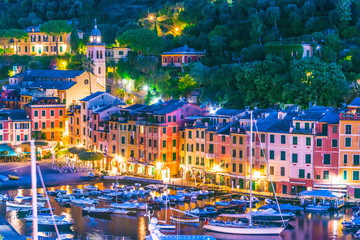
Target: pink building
[{"x": 326, "y": 152}]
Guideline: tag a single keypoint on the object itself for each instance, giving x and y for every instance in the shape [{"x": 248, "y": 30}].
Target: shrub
[{"x": 90, "y": 156}]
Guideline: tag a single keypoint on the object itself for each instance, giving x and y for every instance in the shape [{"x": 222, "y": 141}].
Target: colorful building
[{"x": 181, "y": 56}]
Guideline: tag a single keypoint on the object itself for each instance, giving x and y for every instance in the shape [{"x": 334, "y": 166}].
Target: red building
[
  {"x": 47, "y": 116},
  {"x": 181, "y": 56},
  {"x": 326, "y": 152}
]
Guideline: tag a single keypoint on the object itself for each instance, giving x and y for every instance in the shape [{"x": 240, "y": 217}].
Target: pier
[{"x": 7, "y": 231}]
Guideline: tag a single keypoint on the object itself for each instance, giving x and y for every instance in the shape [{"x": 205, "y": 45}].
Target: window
[
  {"x": 43, "y": 113},
  {"x": 234, "y": 167},
  {"x": 295, "y": 140},
  {"x": 202, "y": 134},
  {"x": 240, "y": 140},
  {"x": 190, "y": 134},
  {"x": 83, "y": 105},
  {"x": 356, "y": 175},
  {"x": 240, "y": 168},
  {"x": 155, "y": 143},
  {"x": 60, "y": 112},
  {"x": 189, "y": 160},
  {"x": 234, "y": 153},
  {"x": 297, "y": 126},
  {"x": 223, "y": 150},
  {"x": 169, "y": 118},
  {"x": 347, "y": 129},
  {"x": 283, "y": 155},
  {"x": 174, "y": 157},
  {"x": 356, "y": 160},
  {"x": 36, "y": 125},
  {"x": 36, "y": 113},
  {"x": 326, "y": 175},
  {"x": 60, "y": 124},
  {"x": 271, "y": 170},
  {"x": 294, "y": 158},
  {"x": 211, "y": 137},
  {"x": 17, "y": 137},
  {"x": 43, "y": 125},
  {"x": 301, "y": 173},
  {"x": 308, "y": 141},
  {"x": 202, "y": 162},
  {"x": 307, "y": 127},
  {"x": 262, "y": 168},
  {"x": 334, "y": 143},
  {"x": 164, "y": 157},
  {"x": 282, "y": 171},
  {"x": 347, "y": 142},
  {"x": 283, "y": 139},
  {"x": 272, "y": 154},
  {"x": 334, "y": 129},
  {"x": 345, "y": 175},
  {"x": 164, "y": 143},
  {"x": 234, "y": 139},
  {"x": 52, "y": 113},
  {"x": 223, "y": 138},
  {"x": 319, "y": 142},
  {"x": 307, "y": 158},
  {"x": 211, "y": 148},
  {"x": 326, "y": 159},
  {"x": 345, "y": 158},
  {"x": 174, "y": 129},
  {"x": 262, "y": 138},
  {"x": 174, "y": 142},
  {"x": 203, "y": 147},
  {"x": 164, "y": 130}
]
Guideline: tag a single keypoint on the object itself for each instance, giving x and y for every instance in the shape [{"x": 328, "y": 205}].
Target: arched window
[
  {"x": 100, "y": 54},
  {"x": 97, "y": 54},
  {"x": 99, "y": 70}
]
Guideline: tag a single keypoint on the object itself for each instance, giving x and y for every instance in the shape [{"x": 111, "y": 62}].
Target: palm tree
[{"x": 88, "y": 65}]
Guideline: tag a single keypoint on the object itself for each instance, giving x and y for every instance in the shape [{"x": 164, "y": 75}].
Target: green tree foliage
[
  {"x": 314, "y": 81},
  {"x": 75, "y": 150},
  {"x": 56, "y": 28},
  {"x": 343, "y": 10},
  {"x": 142, "y": 40},
  {"x": 74, "y": 37},
  {"x": 90, "y": 156},
  {"x": 16, "y": 35}
]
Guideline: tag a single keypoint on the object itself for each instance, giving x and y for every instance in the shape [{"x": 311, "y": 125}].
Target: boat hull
[
  {"x": 244, "y": 230},
  {"x": 185, "y": 220}
]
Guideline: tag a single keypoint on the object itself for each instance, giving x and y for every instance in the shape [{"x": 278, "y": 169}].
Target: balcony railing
[{"x": 349, "y": 116}]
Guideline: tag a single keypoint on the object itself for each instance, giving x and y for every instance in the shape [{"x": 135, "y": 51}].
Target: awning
[
  {"x": 223, "y": 174},
  {"x": 301, "y": 183},
  {"x": 322, "y": 193},
  {"x": 7, "y": 151},
  {"x": 236, "y": 176}
]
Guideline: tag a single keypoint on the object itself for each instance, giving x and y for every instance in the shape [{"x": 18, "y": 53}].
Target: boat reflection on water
[{"x": 222, "y": 236}]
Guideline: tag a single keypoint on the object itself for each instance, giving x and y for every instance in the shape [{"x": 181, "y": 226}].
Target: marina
[{"x": 129, "y": 219}]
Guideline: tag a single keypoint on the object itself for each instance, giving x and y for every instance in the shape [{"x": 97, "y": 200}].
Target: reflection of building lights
[
  {"x": 159, "y": 165},
  {"x": 18, "y": 150}
]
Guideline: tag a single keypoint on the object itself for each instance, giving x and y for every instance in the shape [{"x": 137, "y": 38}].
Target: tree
[
  {"x": 56, "y": 28},
  {"x": 4, "y": 41},
  {"x": 142, "y": 40},
  {"x": 256, "y": 28},
  {"x": 90, "y": 156},
  {"x": 273, "y": 15},
  {"x": 147, "y": 64},
  {"x": 314, "y": 81},
  {"x": 16, "y": 35},
  {"x": 88, "y": 65},
  {"x": 343, "y": 10},
  {"x": 74, "y": 38}
]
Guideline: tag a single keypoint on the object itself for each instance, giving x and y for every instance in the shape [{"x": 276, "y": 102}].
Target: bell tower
[{"x": 96, "y": 51}]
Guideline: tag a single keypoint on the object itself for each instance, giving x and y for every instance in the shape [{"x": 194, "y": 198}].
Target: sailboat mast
[
  {"x": 251, "y": 153},
  {"x": 34, "y": 192}
]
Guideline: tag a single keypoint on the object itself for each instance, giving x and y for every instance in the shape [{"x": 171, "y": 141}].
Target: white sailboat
[
  {"x": 187, "y": 218},
  {"x": 244, "y": 228},
  {"x": 163, "y": 224}
]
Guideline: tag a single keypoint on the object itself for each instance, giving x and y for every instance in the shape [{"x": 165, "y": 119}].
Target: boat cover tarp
[
  {"x": 322, "y": 193},
  {"x": 284, "y": 207}
]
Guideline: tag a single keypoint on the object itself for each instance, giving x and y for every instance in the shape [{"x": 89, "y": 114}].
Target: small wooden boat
[
  {"x": 13, "y": 177},
  {"x": 186, "y": 218}
]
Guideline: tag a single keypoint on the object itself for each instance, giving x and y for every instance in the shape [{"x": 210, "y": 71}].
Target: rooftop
[
  {"x": 355, "y": 102},
  {"x": 228, "y": 112},
  {"x": 183, "y": 50},
  {"x": 39, "y": 73},
  {"x": 92, "y": 96},
  {"x": 17, "y": 115},
  {"x": 52, "y": 85},
  {"x": 314, "y": 113},
  {"x": 331, "y": 118}
]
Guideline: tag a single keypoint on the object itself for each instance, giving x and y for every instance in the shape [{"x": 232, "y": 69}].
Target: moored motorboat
[
  {"x": 91, "y": 188},
  {"x": 97, "y": 212},
  {"x": 48, "y": 225},
  {"x": 13, "y": 177},
  {"x": 4, "y": 178},
  {"x": 283, "y": 207},
  {"x": 204, "y": 212},
  {"x": 120, "y": 211}
]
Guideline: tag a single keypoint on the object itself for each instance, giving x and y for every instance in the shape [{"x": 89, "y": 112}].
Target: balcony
[{"x": 349, "y": 116}]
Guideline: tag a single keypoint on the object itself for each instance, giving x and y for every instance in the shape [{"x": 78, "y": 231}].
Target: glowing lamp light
[
  {"x": 256, "y": 175},
  {"x": 177, "y": 29},
  {"x": 151, "y": 17},
  {"x": 79, "y": 146},
  {"x": 216, "y": 168},
  {"x": 145, "y": 88},
  {"x": 18, "y": 150},
  {"x": 158, "y": 165}
]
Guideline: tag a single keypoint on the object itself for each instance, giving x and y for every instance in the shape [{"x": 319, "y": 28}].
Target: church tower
[{"x": 96, "y": 51}]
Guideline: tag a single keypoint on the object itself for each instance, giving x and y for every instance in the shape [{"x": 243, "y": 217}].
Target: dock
[
  {"x": 7, "y": 231},
  {"x": 134, "y": 179}
]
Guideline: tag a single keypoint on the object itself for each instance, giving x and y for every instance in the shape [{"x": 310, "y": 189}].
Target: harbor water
[{"x": 306, "y": 226}]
